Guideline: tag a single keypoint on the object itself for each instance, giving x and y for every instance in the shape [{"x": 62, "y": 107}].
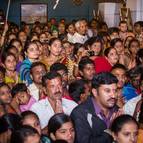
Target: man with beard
[
  {"x": 53, "y": 103},
  {"x": 93, "y": 117}
]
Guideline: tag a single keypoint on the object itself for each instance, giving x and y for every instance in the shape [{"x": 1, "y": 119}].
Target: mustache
[
  {"x": 111, "y": 99},
  {"x": 58, "y": 92}
]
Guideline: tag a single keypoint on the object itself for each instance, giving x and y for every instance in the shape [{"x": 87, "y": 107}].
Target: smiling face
[
  {"x": 66, "y": 132},
  {"x": 127, "y": 134}
]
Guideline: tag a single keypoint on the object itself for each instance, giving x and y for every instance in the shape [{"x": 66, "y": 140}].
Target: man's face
[
  {"x": 88, "y": 71},
  {"x": 37, "y": 73},
  {"x": 64, "y": 76},
  {"x": 54, "y": 88},
  {"x": 123, "y": 27},
  {"x": 107, "y": 95},
  {"x": 121, "y": 76}
]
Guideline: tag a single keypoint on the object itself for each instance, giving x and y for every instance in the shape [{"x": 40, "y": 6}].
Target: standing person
[
  {"x": 80, "y": 34},
  {"x": 53, "y": 103},
  {"x": 94, "y": 116},
  {"x": 125, "y": 129},
  {"x": 59, "y": 123},
  {"x": 55, "y": 49},
  {"x": 32, "y": 54}
]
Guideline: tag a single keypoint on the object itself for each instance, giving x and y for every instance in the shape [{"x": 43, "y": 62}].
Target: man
[
  {"x": 54, "y": 103},
  {"x": 123, "y": 27},
  {"x": 80, "y": 34},
  {"x": 86, "y": 69},
  {"x": 37, "y": 70},
  {"x": 93, "y": 117}
]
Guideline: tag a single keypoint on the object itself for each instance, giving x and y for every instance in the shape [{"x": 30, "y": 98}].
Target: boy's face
[
  {"x": 1, "y": 77},
  {"x": 120, "y": 74},
  {"x": 123, "y": 27},
  {"x": 23, "y": 97},
  {"x": 37, "y": 73},
  {"x": 5, "y": 95}
]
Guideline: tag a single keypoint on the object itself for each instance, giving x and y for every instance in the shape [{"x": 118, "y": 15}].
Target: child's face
[
  {"x": 5, "y": 95},
  {"x": 23, "y": 97},
  {"x": 33, "y": 51},
  {"x": 32, "y": 121},
  {"x": 1, "y": 77},
  {"x": 10, "y": 63}
]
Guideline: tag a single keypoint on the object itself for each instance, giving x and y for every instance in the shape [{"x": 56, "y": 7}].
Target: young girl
[
  {"x": 9, "y": 62},
  {"x": 32, "y": 54},
  {"x": 55, "y": 48},
  {"x": 31, "y": 119},
  {"x": 61, "y": 127}
]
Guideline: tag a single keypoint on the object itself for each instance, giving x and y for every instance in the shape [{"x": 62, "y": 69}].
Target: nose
[
  {"x": 113, "y": 94},
  {"x": 132, "y": 138}
]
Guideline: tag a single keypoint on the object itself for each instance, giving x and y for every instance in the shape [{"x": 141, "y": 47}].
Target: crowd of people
[{"x": 77, "y": 82}]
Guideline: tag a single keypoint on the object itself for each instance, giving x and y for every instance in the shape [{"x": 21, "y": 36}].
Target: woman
[
  {"x": 60, "y": 127},
  {"x": 125, "y": 129}
]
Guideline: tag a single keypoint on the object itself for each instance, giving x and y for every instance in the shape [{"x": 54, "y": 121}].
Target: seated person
[
  {"x": 22, "y": 97},
  {"x": 79, "y": 90}
]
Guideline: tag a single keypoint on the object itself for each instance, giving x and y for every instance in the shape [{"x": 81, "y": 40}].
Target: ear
[
  {"x": 31, "y": 77},
  {"x": 94, "y": 92},
  {"x": 28, "y": 91},
  {"x": 52, "y": 136},
  {"x": 25, "y": 54}
]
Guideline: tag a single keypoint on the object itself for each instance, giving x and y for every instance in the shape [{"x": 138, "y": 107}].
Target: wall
[{"x": 65, "y": 9}]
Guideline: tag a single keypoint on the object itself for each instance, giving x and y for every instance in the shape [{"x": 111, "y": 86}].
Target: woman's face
[
  {"x": 96, "y": 47},
  {"x": 134, "y": 47},
  {"x": 33, "y": 122},
  {"x": 113, "y": 57},
  {"x": 33, "y": 51},
  {"x": 119, "y": 47},
  {"x": 66, "y": 132},
  {"x": 17, "y": 45},
  {"x": 56, "y": 48},
  {"x": 128, "y": 133},
  {"x": 10, "y": 63}
]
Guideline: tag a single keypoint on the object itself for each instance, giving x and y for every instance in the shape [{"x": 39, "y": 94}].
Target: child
[
  {"x": 22, "y": 97},
  {"x": 9, "y": 62},
  {"x": 31, "y": 119},
  {"x": 32, "y": 54}
]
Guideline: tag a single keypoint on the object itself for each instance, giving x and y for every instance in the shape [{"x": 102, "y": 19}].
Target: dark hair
[
  {"x": 19, "y": 136},
  {"x": 107, "y": 51},
  {"x": 57, "y": 67},
  {"x": 20, "y": 87},
  {"x": 139, "y": 57},
  {"x": 2, "y": 70},
  {"x": 77, "y": 46},
  {"x": 35, "y": 64},
  {"x": 27, "y": 45},
  {"x": 114, "y": 41},
  {"x": 4, "y": 84},
  {"x": 5, "y": 55},
  {"x": 76, "y": 88},
  {"x": 49, "y": 76},
  {"x": 119, "y": 66},
  {"x": 113, "y": 30},
  {"x": 52, "y": 40},
  {"x": 122, "y": 22},
  {"x": 141, "y": 114},
  {"x": 57, "y": 121},
  {"x": 120, "y": 121},
  {"x": 103, "y": 78},
  {"x": 28, "y": 113},
  {"x": 83, "y": 62},
  {"x": 59, "y": 141},
  {"x": 9, "y": 121}
]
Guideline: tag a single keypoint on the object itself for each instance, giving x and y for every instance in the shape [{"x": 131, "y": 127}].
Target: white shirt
[
  {"x": 70, "y": 37},
  {"x": 77, "y": 38},
  {"x": 130, "y": 106},
  {"x": 45, "y": 111},
  {"x": 34, "y": 91}
]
